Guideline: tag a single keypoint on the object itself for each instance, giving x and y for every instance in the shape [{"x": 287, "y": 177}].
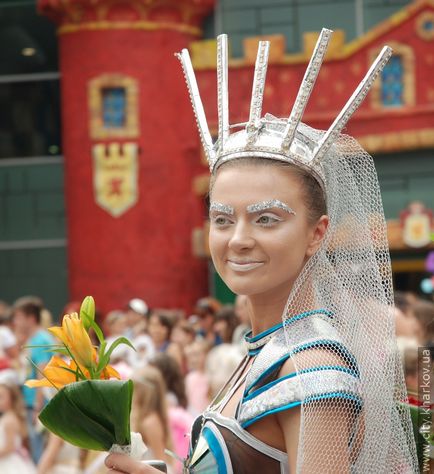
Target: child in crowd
[
  {"x": 14, "y": 458},
  {"x": 149, "y": 414},
  {"x": 196, "y": 380}
]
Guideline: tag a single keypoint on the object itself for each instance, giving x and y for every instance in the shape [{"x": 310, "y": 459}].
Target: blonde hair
[{"x": 149, "y": 397}]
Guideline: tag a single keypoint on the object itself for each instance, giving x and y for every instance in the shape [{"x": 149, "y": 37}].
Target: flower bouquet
[{"x": 91, "y": 409}]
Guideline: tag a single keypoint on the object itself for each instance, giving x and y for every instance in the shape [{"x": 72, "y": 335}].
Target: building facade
[{"x": 111, "y": 202}]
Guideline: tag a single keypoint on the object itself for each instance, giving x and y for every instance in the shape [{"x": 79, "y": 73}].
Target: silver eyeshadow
[
  {"x": 266, "y": 205},
  {"x": 224, "y": 208},
  {"x": 252, "y": 208}
]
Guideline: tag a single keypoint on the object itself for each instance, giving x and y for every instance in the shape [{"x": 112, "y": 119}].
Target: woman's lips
[{"x": 243, "y": 267}]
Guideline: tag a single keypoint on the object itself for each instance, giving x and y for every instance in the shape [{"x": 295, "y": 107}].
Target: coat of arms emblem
[{"x": 115, "y": 176}]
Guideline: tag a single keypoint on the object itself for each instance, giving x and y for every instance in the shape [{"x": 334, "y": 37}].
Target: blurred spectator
[
  {"x": 59, "y": 457},
  {"x": 14, "y": 458},
  {"x": 27, "y": 322},
  {"x": 406, "y": 325},
  {"x": 182, "y": 335},
  {"x": 149, "y": 414},
  {"x": 206, "y": 309},
  {"x": 180, "y": 420},
  {"x": 423, "y": 311},
  {"x": 220, "y": 364},
  {"x": 160, "y": 330},
  {"x": 144, "y": 351},
  {"x": 243, "y": 315},
  {"x": 196, "y": 381},
  {"x": 9, "y": 351},
  {"x": 225, "y": 323},
  {"x": 137, "y": 314},
  {"x": 121, "y": 357}
]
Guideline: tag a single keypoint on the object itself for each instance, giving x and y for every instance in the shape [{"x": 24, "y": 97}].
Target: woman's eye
[
  {"x": 267, "y": 220},
  {"x": 220, "y": 220}
]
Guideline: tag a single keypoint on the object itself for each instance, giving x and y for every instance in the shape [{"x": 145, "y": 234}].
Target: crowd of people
[{"x": 180, "y": 363}]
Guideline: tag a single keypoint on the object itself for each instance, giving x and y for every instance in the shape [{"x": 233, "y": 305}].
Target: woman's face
[
  {"x": 260, "y": 235},
  {"x": 157, "y": 331}
]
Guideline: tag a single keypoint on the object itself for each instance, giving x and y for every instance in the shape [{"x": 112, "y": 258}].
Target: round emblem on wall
[{"x": 425, "y": 26}]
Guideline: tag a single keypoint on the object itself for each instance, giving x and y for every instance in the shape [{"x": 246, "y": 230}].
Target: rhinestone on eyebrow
[
  {"x": 262, "y": 206},
  {"x": 219, "y": 207}
]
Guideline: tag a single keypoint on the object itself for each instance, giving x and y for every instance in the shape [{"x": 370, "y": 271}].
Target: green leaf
[
  {"x": 116, "y": 343},
  {"x": 93, "y": 414},
  {"x": 87, "y": 312}
]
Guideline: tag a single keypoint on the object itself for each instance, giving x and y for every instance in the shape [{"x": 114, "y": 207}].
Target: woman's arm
[
  {"x": 324, "y": 425},
  {"x": 154, "y": 436},
  {"x": 50, "y": 453}
]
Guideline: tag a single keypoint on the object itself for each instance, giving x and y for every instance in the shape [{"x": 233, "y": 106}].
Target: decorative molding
[
  {"x": 408, "y": 62},
  {"x": 128, "y": 25},
  {"x": 83, "y": 15},
  {"x": 97, "y": 129},
  {"x": 398, "y": 141},
  {"x": 339, "y": 50}
]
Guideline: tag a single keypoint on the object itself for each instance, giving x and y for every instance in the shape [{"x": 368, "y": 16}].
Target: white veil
[{"x": 350, "y": 275}]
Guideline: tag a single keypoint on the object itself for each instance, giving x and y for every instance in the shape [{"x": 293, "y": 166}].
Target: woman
[{"x": 297, "y": 226}]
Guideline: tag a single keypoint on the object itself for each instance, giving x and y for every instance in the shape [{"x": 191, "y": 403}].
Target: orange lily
[
  {"x": 59, "y": 373},
  {"x": 75, "y": 337}
]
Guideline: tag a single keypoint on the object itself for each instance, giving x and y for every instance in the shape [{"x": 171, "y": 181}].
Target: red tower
[{"x": 131, "y": 149}]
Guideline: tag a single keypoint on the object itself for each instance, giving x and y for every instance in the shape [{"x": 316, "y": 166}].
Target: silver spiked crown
[{"x": 267, "y": 136}]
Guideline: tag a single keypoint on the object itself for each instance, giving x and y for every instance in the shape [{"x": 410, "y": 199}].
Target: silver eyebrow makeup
[
  {"x": 219, "y": 207},
  {"x": 264, "y": 205}
]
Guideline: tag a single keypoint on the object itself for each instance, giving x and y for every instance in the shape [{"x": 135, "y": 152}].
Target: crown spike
[
  {"x": 198, "y": 109},
  {"x": 222, "y": 89},
  {"x": 306, "y": 87},
  {"x": 258, "y": 89},
  {"x": 352, "y": 105}
]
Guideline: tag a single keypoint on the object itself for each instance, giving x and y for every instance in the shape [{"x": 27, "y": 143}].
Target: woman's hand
[{"x": 123, "y": 464}]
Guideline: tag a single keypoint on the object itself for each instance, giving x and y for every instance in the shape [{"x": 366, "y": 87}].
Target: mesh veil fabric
[{"x": 351, "y": 276}]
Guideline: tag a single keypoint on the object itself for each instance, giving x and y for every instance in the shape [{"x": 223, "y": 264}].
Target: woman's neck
[{"x": 265, "y": 313}]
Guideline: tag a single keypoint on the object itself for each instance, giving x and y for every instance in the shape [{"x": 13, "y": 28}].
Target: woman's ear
[{"x": 319, "y": 231}]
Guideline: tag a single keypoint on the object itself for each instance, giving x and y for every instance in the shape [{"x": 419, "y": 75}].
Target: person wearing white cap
[{"x": 137, "y": 312}]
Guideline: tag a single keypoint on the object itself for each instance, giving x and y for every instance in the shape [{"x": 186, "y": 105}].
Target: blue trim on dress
[
  {"x": 345, "y": 395},
  {"x": 329, "y": 342},
  {"x": 287, "y": 322},
  {"x": 340, "y": 368},
  {"x": 267, "y": 372},
  {"x": 268, "y": 386},
  {"x": 312, "y": 398},
  {"x": 294, "y": 374},
  {"x": 262, "y": 334},
  {"x": 216, "y": 449},
  {"x": 255, "y": 351},
  {"x": 297, "y": 317}
]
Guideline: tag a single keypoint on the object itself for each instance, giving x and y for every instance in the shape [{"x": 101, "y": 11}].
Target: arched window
[
  {"x": 395, "y": 87},
  {"x": 392, "y": 83}
]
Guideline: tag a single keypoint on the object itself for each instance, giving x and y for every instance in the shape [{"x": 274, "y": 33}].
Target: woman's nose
[{"x": 242, "y": 237}]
